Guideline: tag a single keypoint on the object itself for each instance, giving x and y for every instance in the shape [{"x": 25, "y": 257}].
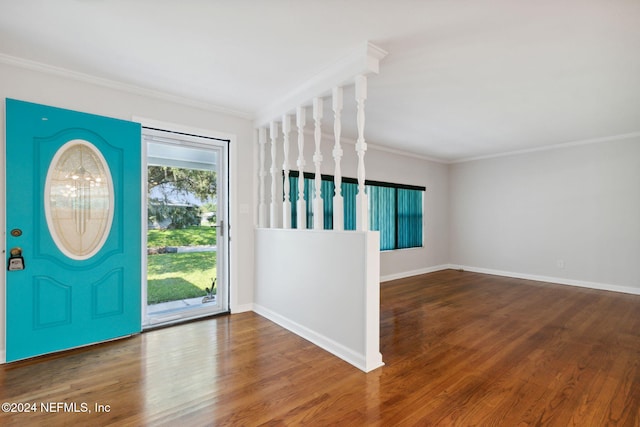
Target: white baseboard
[
  {"x": 548, "y": 279},
  {"x": 241, "y": 308},
  {"x": 3, "y": 357},
  {"x": 404, "y": 274},
  {"x": 339, "y": 350}
]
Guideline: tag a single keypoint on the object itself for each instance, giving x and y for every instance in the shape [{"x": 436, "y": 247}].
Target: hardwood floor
[{"x": 460, "y": 348}]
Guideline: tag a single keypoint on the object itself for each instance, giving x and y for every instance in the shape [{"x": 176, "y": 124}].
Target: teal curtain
[
  {"x": 382, "y": 214},
  {"x": 293, "y": 191},
  {"x": 308, "y": 195},
  {"x": 349, "y": 192},
  {"x": 328, "y": 189},
  {"x": 409, "y": 218},
  {"x": 393, "y": 211}
]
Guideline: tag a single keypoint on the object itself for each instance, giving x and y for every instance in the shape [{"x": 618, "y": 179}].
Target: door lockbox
[{"x": 16, "y": 261}]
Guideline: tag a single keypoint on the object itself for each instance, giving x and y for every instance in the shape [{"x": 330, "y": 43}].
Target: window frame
[{"x": 310, "y": 188}]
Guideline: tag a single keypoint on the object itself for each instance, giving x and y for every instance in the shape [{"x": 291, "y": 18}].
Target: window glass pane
[
  {"x": 409, "y": 218},
  {"x": 328, "y": 189},
  {"x": 79, "y": 199},
  {"x": 382, "y": 214},
  {"x": 309, "y": 194},
  {"x": 309, "y": 191},
  {"x": 395, "y": 212},
  {"x": 293, "y": 185},
  {"x": 349, "y": 192}
]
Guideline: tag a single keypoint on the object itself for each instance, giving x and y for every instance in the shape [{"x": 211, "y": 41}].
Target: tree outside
[{"x": 179, "y": 197}]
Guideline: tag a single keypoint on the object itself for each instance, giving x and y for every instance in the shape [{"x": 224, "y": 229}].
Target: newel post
[
  {"x": 362, "y": 200},
  {"x": 318, "y": 205},
  {"x": 286, "y": 204},
  {"x": 302, "y": 204},
  {"x": 338, "y": 204},
  {"x": 273, "y": 217},
  {"x": 262, "y": 208}
]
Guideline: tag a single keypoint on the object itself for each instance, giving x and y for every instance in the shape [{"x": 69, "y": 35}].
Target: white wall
[
  {"x": 401, "y": 169},
  {"x": 569, "y": 215},
  {"x": 324, "y": 286},
  {"x": 382, "y": 165},
  {"x": 63, "y": 92}
]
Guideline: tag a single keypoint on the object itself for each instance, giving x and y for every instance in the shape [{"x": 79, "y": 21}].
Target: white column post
[
  {"x": 302, "y": 205},
  {"x": 338, "y": 204},
  {"x": 286, "y": 204},
  {"x": 362, "y": 201},
  {"x": 262, "y": 208},
  {"x": 318, "y": 205},
  {"x": 273, "y": 217}
]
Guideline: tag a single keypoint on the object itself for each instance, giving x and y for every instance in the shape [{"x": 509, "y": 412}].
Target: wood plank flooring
[{"x": 461, "y": 349}]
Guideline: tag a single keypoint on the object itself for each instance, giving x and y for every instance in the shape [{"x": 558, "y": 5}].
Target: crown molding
[
  {"x": 406, "y": 153},
  {"x": 340, "y": 73},
  {"x": 551, "y": 147},
  {"x": 124, "y": 87},
  {"x": 374, "y": 146}
]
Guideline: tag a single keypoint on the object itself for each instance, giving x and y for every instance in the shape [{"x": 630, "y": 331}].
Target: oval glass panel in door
[{"x": 79, "y": 199}]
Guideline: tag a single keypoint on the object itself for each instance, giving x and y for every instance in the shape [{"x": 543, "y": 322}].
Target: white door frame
[{"x": 230, "y": 211}]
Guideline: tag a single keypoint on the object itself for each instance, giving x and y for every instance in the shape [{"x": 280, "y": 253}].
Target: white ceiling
[{"x": 462, "y": 78}]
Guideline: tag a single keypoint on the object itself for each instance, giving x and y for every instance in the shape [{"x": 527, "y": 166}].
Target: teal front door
[{"x": 73, "y": 229}]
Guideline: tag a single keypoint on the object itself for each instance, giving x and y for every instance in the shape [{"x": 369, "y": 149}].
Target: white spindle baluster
[
  {"x": 318, "y": 206},
  {"x": 302, "y": 205},
  {"x": 262, "y": 208},
  {"x": 286, "y": 204},
  {"x": 362, "y": 202},
  {"x": 273, "y": 217},
  {"x": 338, "y": 204}
]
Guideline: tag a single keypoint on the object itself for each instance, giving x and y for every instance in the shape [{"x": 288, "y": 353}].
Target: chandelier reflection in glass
[
  {"x": 80, "y": 199},
  {"x": 80, "y": 191}
]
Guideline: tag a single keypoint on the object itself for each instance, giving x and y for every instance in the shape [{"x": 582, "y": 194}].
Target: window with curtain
[{"x": 395, "y": 210}]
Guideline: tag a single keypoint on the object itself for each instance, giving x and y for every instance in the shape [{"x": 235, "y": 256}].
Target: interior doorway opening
[{"x": 187, "y": 220}]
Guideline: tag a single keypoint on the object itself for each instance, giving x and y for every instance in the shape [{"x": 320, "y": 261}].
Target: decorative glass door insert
[{"x": 79, "y": 199}]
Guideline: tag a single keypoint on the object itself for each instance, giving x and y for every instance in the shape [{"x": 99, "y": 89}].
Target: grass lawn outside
[
  {"x": 176, "y": 276},
  {"x": 190, "y": 236}
]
